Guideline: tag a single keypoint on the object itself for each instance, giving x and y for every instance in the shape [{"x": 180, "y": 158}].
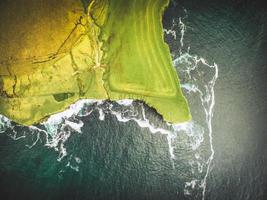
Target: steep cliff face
[{"x": 54, "y": 53}]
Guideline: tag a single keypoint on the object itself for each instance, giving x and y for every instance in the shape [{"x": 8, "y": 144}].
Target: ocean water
[{"x": 124, "y": 150}]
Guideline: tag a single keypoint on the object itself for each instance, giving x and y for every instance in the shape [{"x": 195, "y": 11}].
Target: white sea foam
[{"x": 60, "y": 127}]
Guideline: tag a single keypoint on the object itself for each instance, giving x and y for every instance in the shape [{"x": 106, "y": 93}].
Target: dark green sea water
[{"x": 111, "y": 159}]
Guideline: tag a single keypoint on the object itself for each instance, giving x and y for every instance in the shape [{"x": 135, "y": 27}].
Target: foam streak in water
[
  {"x": 207, "y": 98},
  {"x": 192, "y": 71}
]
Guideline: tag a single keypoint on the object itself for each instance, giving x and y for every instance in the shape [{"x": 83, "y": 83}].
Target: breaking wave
[{"x": 195, "y": 137}]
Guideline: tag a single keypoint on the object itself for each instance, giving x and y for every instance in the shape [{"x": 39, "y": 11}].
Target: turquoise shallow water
[{"x": 124, "y": 150}]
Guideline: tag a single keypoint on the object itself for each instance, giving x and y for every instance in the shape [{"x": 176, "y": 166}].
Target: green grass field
[{"x": 114, "y": 51}]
